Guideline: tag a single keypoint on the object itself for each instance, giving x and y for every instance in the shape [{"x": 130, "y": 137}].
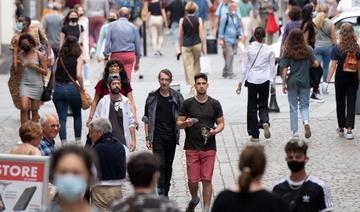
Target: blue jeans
[
  {"x": 301, "y": 97},
  {"x": 66, "y": 94},
  {"x": 323, "y": 55}
]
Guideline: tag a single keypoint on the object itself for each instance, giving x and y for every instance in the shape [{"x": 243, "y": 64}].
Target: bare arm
[
  {"x": 62, "y": 39},
  {"x": 163, "y": 13},
  {"x": 331, "y": 70},
  {"x": 182, "y": 122},
  {"x": 133, "y": 106},
  {"x": 216, "y": 24},
  {"x": 133, "y": 139},
  {"x": 79, "y": 75},
  {"x": 283, "y": 77},
  {"x": 220, "y": 124},
  {"x": 93, "y": 108},
  {"x": 181, "y": 32},
  {"x": 202, "y": 36},
  {"x": 333, "y": 34}
]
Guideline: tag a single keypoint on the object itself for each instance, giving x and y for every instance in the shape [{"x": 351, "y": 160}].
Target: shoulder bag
[
  {"x": 84, "y": 96},
  {"x": 253, "y": 63}
]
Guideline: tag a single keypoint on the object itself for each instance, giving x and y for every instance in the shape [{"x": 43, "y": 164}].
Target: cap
[{"x": 113, "y": 77}]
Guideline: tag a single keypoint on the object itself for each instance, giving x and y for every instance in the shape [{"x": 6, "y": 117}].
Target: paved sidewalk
[{"x": 333, "y": 159}]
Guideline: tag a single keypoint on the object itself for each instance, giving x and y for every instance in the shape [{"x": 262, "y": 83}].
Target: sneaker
[
  {"x": 192, "y": 205},
  {"x": 160, "y": 53},
  {"x": 307, "y": 130},
  {"x": 231, "y": 76},
  {"x": 252, "y": 139},
  {"x": 340, "y": 132},
  {"x": 156, "y": 53},
  {"x": 315, "y": 97},
  {"x": 323, "y": 89},
  {"x": 92, "y": 52},
  {"x": 349, "y": 135},
  {"x": 267, "y": 133}
]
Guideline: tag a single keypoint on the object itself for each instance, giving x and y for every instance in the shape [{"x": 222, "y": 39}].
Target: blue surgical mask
[
  {"x": 70, "y": 187},
  {"x": 19, "y": 26}
]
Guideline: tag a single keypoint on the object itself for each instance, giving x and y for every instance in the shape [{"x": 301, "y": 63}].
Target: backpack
[{"x": 350, "y": 63}]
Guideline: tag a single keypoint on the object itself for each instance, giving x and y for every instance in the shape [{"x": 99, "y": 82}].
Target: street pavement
[{"x": 333, "y": 159}]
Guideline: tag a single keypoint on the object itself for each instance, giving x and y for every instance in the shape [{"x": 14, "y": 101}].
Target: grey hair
[
  {"x": 101, "y": 125},
  {"x": 45, "y": 118}
]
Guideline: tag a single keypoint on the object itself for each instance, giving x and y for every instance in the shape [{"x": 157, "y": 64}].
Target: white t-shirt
[{"x": 344, "y": 6}]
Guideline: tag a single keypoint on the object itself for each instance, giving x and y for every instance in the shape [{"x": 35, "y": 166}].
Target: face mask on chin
[
  {"x": 296, "y": 166},
  {"x": 70, "y": 188}
]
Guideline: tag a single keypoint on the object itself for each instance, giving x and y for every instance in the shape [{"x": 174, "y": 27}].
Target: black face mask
[
  {"x": 296, "y": 166},
  {"x": 74, "y": 19},
  {"x": 26, "y": 48},
  {"x": 111, "y": 20}
]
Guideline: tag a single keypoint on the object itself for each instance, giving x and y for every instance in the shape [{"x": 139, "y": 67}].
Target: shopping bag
[
  {"x": 205, "y": 65},
  {"x": 271, "y": 25}
]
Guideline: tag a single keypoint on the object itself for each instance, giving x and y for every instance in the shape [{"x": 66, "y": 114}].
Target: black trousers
[
  {"x": 258, "y": 96},
  {"x": 164, "y": 146},
  {"x": 345, "y": 93}
]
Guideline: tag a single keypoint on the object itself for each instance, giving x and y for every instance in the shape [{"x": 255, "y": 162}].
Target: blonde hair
[
  {"x": 191, "y": 7},
  {"x": 323, "y": 10},
  {"x": 348, "y": 39}
]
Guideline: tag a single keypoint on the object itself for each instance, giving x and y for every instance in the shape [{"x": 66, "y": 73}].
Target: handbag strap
[
  {"x": 256, "y": 57},
  {"x": 68, "y": 74}
]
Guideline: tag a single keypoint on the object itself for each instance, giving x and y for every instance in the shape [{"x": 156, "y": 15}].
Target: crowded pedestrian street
[{"x": 192, "y": 85}]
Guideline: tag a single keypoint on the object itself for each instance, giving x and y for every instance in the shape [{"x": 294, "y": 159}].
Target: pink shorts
[{"x": 200, "y": 165}]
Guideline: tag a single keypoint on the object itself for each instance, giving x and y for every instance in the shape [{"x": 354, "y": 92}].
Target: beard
[{"x": 115, "y": 91}]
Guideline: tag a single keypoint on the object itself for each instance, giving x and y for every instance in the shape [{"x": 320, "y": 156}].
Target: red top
[{"x": 102, "y": 90}]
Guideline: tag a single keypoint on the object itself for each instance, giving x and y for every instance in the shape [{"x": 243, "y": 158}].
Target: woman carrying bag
[
  {"x": 66, "y": 92},
  {"x": 258, "y": 72},
  {"x": 346, "y": 57}
]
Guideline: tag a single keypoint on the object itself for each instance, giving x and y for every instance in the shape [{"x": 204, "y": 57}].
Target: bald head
[{"x": 124, "y": 12}]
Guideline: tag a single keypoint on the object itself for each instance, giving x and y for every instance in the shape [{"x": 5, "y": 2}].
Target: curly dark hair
[
  {"x": 125, "y": 82},
  {"x": 348, "y": 39},
  {"x": 29, "y": 38},
  {"x": 295, "y": 46}
]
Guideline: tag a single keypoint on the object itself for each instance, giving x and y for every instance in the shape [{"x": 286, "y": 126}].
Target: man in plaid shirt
[{"x": 50, "y": 125}]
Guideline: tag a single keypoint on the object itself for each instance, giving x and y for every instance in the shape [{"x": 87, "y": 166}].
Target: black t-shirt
[
  {"x": 164, "y": 123},
  {"x": 177, "y": 10},
  {"x": 260, "y": 201},
  {"x": 338, "y": 55},
  {"x": 314, "y": 195},
  {"x": 207, "y": 113},
  {"x": 116, "y": 120},
  {"x": 72, "y": 30},
  {"x": 155, "y": 8}
]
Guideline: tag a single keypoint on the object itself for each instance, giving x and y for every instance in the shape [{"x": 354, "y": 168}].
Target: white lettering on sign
[{"x": 16, "y": 171}]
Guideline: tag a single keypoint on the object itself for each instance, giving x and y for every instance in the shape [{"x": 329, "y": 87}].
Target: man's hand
[
  {"x": 132, "y": 146},
  {"x": 137, "y": 66},
  {"x": 212, "y": 132},
  {"x": 148, "y": 145},
  {"x": 188, "y": 122}
]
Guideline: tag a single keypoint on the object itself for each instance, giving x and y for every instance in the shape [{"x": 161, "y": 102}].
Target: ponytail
[
  {"x": 251, "y": 165},
  {"x": 245, "y": 179}
]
